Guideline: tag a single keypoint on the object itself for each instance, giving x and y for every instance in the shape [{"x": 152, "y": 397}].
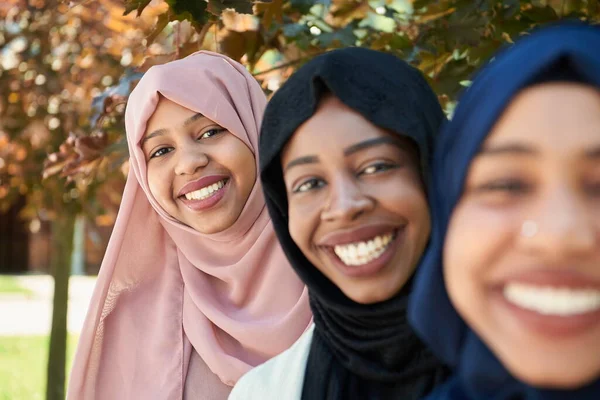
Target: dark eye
[
  {"x": 510, "y": 186},
  {"x": 375, "y": 168},
  {"x": 310, "y": 184},
  {"x": 593, "y": 188},
  {"x": 211, "y": 132},
  {"x": 161, "y": 152}
]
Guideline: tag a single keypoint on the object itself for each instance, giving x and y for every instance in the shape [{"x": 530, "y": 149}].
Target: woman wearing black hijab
[
  {"x": 344, "y": 159},
  {"x": 517, "y": 314}
]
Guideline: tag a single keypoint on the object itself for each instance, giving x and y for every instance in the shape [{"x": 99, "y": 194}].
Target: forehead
[
  {"x": 167, "y": 114},
  {"x": 333, "y": 127},
  {"x": 556, "y": 116}
]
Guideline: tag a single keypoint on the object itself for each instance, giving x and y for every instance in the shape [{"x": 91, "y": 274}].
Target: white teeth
[
  {"x": 363, "y": 252},
  {"x": 205, "y": 192},
  {"x": 378, "y": 242},
  {"x": 549, "y": 300}
]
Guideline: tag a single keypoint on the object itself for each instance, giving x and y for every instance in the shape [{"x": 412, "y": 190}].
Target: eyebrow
[
  {"x": 302, "y": 161},
  {"x": 510, "y": 148},
  {"x": 193, "y": 118},
  {"x": 370, "y": 143},
  {"x": 160, "y": 132},
  {"x": 347, "y": 151}
]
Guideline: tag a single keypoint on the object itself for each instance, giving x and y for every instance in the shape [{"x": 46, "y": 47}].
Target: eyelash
[
  {"x": 512, "y": 186},
  {"x": 158, "y": 153},
  {"x": 214, "y": 131},
  {"x": 314, "y": 183}
]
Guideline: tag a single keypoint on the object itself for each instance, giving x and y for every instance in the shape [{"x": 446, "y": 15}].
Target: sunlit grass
[
  {"x": 10, "y": 285},
  {"x": 23, "y": 366}
]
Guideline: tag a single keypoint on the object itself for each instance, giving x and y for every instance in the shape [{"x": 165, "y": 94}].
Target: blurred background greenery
[{"x": 66, "y": 70}]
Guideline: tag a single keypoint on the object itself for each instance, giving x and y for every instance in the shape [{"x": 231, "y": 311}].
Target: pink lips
[
  {"x": 211, "y": 201},
  {"x": 200, "y": 183},
  {"x": 555, "y": 277}
]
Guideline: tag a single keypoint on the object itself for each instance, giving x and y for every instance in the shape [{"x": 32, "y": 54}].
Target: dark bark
[{"x": 62, "y": 247}]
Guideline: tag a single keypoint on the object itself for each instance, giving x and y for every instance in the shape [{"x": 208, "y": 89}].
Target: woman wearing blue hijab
[{"x": 509, "y": 290}]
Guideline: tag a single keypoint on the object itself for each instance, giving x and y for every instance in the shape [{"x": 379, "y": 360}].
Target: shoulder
[{"x": 282, "y": 375}]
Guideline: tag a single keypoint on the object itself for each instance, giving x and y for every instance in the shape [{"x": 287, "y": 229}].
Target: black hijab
[
  {"x": 359, "y": 351},
  {"x": 565, "y": 52}
]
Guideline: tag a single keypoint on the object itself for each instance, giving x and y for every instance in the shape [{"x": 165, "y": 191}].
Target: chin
[
  {"x": 221, "y": 221},
  {"x": 370, "y": 296},
  {"x": 559, "y": 378}
]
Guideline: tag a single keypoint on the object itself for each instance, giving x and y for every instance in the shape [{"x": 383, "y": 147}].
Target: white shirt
[{"x": 282, "y": 377}]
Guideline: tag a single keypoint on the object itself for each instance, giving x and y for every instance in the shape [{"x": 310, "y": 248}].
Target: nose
[
  {"x": 346, "y": 201},
  {"x": 189, "y": 159},
  {"x": 565, "y": 226}
]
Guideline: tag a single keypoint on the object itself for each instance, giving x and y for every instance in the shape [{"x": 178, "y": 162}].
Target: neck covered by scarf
[
  {"x": 568, "y": 51},
  {"x": 359, "y": 351},
  {"x": 164, "y": 290}
]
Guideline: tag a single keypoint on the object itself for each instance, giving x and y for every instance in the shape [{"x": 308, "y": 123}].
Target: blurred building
[{"x": 25, "y": 247}]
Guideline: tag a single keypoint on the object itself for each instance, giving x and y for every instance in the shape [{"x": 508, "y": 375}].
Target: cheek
[
  {"x": 477, "y": 240},
  {"x": 240, "y": 161},
  {"x": 407, "y": 200},
  {"x": 158, "y": 183},
  {"x": 301, "y": 222}
]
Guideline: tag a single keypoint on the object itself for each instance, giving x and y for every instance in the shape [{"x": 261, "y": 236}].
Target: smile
[
  {"x": 363, "y": 252},
  {"x": 207, "y": 191},
  {"x": 552, "y": 300}
]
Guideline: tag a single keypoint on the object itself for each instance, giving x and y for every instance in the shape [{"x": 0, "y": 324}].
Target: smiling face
[
  {"x": 198, "y": 172},
  {"x": 522, "y": 253},
  {"x": 357, "y": 208}
]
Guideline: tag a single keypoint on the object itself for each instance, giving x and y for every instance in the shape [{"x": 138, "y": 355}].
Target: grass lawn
[
  {"x": 10, "y": 285},
  {"x": 23, "y": 366}
]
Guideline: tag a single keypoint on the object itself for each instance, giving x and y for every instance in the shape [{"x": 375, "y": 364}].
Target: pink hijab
[{"x": 164, "y": 290}]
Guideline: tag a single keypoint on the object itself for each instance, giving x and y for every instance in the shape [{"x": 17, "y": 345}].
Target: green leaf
[
  {"x": 192, "y": 10},
  {"x": 294, "y": 30},
  {"x": 592, "y": 7},
  {"x": 216, "y": 7},
  {"x": 138, "y": 5},
  {"x": 303, "y": 6},
  {"x": 345, "y": 37},
  {"x": 419, "y": 4},
  {"x": 400, "y": 42},
  {"x": 541, "y": 14},
  {"x": 511, "y": 8}
]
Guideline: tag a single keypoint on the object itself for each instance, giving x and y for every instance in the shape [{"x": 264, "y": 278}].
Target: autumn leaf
[
  {"x": 161, "y": 23},
  {"x": 216, "y": 7}
]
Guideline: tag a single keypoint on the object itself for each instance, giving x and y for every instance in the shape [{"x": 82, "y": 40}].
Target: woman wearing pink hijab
[{"x": 194, "y": 289}]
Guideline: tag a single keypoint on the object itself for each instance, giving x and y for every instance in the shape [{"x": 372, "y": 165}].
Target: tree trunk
[{"x": 62, "y": 247}]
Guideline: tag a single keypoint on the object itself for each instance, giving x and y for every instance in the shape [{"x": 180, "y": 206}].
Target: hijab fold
[
  {"x": 359, "y": 351},
  {"x": 567, "y": 51},
  {"x": 165, "y": 290}
]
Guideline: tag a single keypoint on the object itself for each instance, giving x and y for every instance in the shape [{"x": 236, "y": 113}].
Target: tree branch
[{"x": 287, "y": 64}]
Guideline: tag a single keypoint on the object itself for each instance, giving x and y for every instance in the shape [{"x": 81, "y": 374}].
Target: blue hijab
[{"x": 566, "y": 51}]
